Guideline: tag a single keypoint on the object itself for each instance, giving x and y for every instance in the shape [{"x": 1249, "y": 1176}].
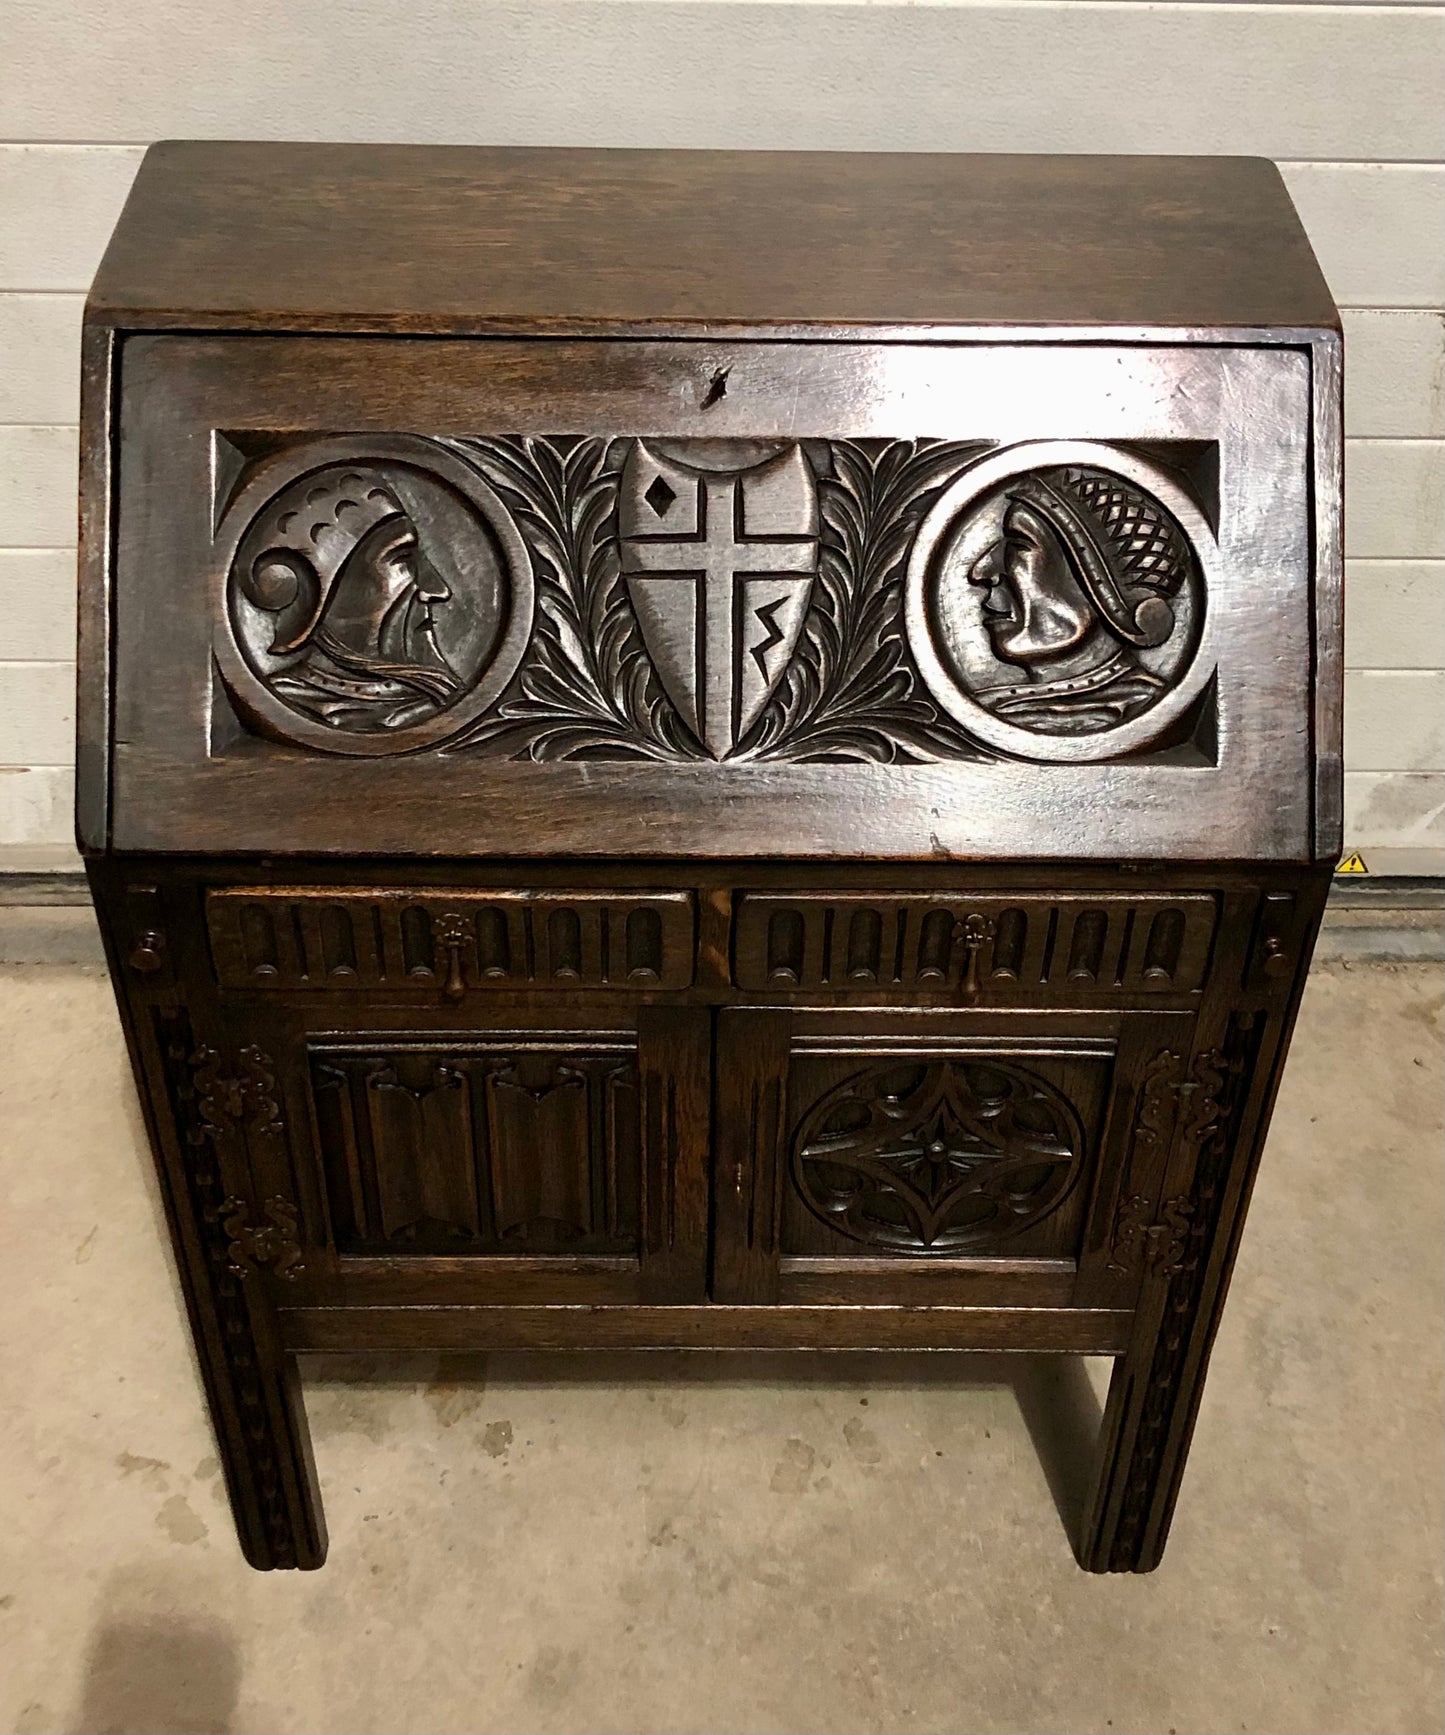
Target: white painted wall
[{"x": 1345, "y": 96}]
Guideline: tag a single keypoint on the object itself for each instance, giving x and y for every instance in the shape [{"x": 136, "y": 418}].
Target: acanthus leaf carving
[
  {"x": 851, "y": 690},
  {"x": 587, "y": 688}
]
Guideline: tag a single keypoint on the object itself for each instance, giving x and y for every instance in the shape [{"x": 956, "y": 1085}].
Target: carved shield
[{"x": 720, "y": 567}]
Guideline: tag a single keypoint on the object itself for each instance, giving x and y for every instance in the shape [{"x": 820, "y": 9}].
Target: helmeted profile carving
[
  {"x": 371, "y": 601},
  {"x": 353, "y": 595},
  {"x": 1060, "y": 603}
]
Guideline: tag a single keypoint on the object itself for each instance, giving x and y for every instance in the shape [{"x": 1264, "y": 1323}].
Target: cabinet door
[
  {"x": 507, "y": 1161},
  {"x": 937, "y": 1157}
]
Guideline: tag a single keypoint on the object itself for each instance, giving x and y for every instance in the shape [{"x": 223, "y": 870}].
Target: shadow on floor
[
  {"x": 1053, "y": 1392},
  {"x": 168, "y": 1675},
  {"x": 1063, "y": 1417}
]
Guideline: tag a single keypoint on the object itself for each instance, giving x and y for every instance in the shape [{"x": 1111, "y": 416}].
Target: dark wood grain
[
  {"x": 595, "y": 841},
  {"x": 717, "y": 1326},
  {"x": 509, "y": 241}
]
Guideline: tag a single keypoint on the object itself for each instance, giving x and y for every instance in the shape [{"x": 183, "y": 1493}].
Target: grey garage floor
[{"x": 725, "y": 1543}]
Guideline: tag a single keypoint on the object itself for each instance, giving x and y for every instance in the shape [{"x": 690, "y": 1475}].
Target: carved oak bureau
[{"x": 690, "y": 749}]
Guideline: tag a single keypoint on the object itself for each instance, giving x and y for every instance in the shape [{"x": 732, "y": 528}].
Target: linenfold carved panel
[
  {"x": 738, "y": 600},
  {"x": 440, "y": 1152}
]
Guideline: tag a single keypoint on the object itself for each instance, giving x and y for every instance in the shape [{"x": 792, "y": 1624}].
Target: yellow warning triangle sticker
[{"x": 1353, "y": 864}]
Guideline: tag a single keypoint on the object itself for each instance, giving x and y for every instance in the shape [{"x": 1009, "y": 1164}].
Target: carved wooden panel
[
  {"x": 938, "y": 1151},
  {"x": 225, "y": 1113},
  {"x": 936, "y": 1155},
  {"x": 575, "y": 598},
  {"x": 999, "y": 947},
  {"x": 881, "y": 599},
  {"x": 1210, "y": 1093},
  {"x": 449, "y": 943},
  {"x": 531, "y": 1150}
]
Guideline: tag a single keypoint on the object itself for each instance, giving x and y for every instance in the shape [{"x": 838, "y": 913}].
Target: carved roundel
[
  {"x": 378, "y": 596},
  {"x": 937, "y": 1157},
  {"x": 1056, "y": 601}
]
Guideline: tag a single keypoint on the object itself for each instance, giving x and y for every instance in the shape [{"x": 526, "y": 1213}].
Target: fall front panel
[{"x": 914, "y": 600}]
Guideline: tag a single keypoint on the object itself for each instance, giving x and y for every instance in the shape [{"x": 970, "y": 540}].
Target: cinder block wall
[{"x": 1346, "y": 97}]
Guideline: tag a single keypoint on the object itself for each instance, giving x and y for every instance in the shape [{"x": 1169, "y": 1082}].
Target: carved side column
[
  {"x": 1182, "y": 1245},
  {"x": 226, "y": 1243}
]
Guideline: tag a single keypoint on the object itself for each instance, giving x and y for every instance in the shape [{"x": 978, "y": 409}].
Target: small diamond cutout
[{"x": 659, "y": 496}]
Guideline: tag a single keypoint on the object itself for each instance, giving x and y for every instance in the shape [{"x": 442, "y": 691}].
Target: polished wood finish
[
  {"x": 696, "y": 750},
  {"x": 508, "y": 241}
]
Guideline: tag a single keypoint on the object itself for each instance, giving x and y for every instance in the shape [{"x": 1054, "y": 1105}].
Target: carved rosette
[
  {"x": 937, "y": 1157},
  {"x": 738, "y": 600}
]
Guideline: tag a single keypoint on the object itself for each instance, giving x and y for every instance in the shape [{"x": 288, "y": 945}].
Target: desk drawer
[
  {"x": 1002, "y": 946},
  {"x": 424, "y": 940}
]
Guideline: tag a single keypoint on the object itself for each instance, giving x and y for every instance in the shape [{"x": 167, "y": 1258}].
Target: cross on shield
[{"x": 720, "y": 568}]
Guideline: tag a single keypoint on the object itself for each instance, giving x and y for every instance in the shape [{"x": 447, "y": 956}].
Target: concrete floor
[{"x": 727, "y": 1543}]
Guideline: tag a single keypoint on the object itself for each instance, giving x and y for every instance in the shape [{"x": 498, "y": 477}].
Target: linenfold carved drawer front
[
  {"x": 390, "y": 938},
  {"x": 1011, "y": 946}
]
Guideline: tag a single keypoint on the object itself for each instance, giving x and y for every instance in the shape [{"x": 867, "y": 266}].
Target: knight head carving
[{"x": 344, "y": 570}]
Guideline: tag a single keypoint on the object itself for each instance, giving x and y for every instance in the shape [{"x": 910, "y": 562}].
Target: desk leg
[
  {"x": 252, "y": 1384},
  {"x": 1157, "y": 1384},
  {"x": 1153, "y": 1399}
]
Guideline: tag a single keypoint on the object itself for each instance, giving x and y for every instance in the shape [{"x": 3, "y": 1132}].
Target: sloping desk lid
[
  {"x": 463, "y": 597},
  {"x": 1016, "y": 591},
  {"x": 467, "y": 241}
]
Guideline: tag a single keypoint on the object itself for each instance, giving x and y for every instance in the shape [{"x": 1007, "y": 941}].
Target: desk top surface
[{"x": 427, "y": 239}]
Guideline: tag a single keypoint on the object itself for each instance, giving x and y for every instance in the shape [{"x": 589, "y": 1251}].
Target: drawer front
[
  {"x": 419, "y": 942},
  {"x": 1000, "y": 947},
  {"x": 976, "y": 601}
]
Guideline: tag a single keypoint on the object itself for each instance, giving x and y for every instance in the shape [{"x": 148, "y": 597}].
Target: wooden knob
[{"x": 147, "y": 955}]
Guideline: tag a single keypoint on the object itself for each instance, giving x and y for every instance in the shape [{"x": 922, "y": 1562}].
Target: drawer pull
[
  {"x": 452, "y": 932},
  {"x": 975, "y": 931},
  {"x": 148, "y": 953}
]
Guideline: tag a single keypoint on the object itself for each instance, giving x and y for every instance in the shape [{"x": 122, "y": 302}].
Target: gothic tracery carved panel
[{"x": 937, "y": 1157}]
